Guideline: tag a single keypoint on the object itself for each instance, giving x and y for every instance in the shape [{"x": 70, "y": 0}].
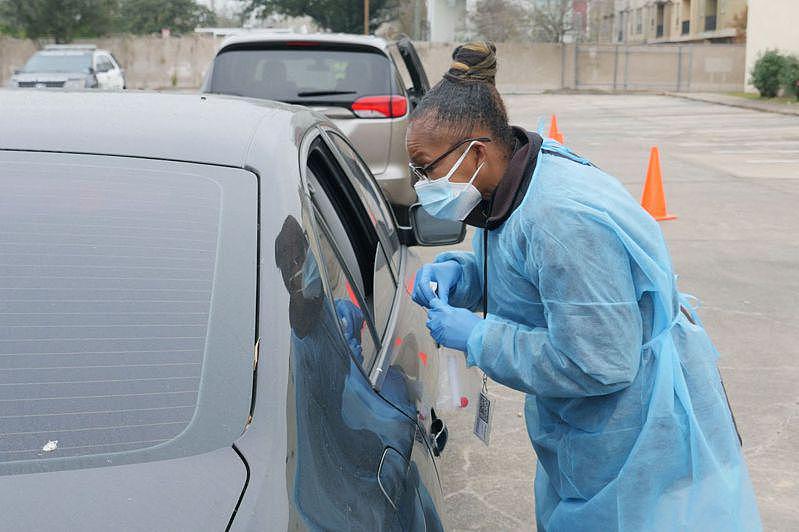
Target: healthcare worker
[{"x": 625, "y": 406}]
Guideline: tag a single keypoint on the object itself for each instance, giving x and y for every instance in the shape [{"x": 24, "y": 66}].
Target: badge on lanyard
[{"x": 483, "y": 415}]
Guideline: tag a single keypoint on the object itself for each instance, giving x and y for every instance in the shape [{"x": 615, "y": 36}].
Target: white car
[{"x": 70, "y": 66}]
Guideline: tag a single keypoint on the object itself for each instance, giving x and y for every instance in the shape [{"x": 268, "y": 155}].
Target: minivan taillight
[{"x": 380, "y": 106}]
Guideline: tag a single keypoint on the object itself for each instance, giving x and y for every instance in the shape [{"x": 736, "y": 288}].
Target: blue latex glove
[
  {"x": 351, "y": 319},
  {"x": 446, "y": 274},
  {"x": 450, "y": 326}
]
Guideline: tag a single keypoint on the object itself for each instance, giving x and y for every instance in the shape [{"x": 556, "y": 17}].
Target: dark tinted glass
[
  {"x": 347, "y": 305},
  {"x": 107, "y": 279},
  {"x": 303, "y": 74}
]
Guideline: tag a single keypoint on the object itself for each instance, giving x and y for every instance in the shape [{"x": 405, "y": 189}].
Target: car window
[
  {"x": 354, "y": 322},
  {"x": 127, "y": 305},
  {"x": 104, "y": 63},
  {"x": 59, "y": 61},
  {"x": 303, "y": 74},
  {"x": 372, "y": 198},
  {"x": 339, "y": 204}
]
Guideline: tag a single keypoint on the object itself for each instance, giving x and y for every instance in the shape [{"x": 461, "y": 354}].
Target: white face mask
[{"x": 447, "y": 200}]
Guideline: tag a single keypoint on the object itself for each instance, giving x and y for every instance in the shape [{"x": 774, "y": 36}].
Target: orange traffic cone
[
  {"x": 653, "y": 199},
  {"x": 554, "y": 134}
]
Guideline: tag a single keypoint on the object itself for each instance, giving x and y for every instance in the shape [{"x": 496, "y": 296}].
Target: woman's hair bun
[{"x": 474, "y": 61}]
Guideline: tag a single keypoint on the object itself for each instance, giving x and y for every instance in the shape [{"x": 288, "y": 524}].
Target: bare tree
[
  {"x": 501, "y": 20},
  {"x": 552, "y": 19}
]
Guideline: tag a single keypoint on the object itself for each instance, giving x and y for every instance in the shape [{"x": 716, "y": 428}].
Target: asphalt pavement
[{"x": 732, "y": 177}]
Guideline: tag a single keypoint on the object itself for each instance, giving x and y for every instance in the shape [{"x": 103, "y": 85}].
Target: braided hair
[{"x": 466, "y": 99}]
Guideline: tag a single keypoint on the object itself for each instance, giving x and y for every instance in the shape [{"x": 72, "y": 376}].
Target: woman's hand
[
  {"x": 450, "y": 326},
  {"x": 446, "y": 274}
]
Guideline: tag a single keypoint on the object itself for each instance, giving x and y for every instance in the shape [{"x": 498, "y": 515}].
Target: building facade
[
  {"x": 665, "y": 21},
  {"x": 772, "y": 26}
]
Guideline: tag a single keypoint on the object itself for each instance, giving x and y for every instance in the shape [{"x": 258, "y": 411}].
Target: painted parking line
[{"x": 773, "y": 161}]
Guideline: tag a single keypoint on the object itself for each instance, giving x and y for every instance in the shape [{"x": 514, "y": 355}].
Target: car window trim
[{"x": 383, "y": 358}]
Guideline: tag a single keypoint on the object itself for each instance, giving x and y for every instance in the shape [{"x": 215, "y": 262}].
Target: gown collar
[{"x": 491, "y": 213}]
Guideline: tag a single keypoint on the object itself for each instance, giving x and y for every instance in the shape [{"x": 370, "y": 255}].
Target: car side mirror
[
  {"x": 427, "y": 230},
  {"x": 17, "y": 71}
]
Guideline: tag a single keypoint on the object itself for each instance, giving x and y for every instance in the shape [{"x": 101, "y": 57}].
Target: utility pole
[{"x": 366, "y": 17}]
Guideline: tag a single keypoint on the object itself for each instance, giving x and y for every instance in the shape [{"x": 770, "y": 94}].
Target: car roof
[
  {"x": 210, "y": 129},
  {"x": 275, "y": 37}
]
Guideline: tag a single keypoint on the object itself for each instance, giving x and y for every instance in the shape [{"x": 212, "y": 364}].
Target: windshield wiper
[{"x": 311, "y": 94}]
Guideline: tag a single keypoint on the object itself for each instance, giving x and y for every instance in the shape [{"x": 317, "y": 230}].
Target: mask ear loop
[
  {"x": 474, "y": 175},
  {"x": 457, "y": 164}
]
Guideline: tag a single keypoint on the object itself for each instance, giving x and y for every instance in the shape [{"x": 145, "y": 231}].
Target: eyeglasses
[{"x": 421, "y": 173}]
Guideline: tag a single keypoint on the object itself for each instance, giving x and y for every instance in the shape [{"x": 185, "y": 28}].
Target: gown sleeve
[{"x": 591, "y": 344}]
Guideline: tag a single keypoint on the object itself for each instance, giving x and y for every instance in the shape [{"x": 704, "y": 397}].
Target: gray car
[
  {"x": 365, "y": 85},
  {"x": 207, "y": 328}
]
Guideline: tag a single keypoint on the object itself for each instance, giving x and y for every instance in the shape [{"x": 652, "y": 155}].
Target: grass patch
[{"x": 756, "y": 97}]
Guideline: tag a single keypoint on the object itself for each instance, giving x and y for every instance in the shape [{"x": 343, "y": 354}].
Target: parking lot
[{"x": 732, "y": 178}]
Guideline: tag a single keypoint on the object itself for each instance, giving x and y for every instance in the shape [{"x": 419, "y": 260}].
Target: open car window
[
  {"x": 353, "y": 236},
  {"x": 369, "y": 193}
]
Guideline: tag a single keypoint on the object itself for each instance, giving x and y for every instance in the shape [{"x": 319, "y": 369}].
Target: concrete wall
[
  {"x": 181, "y": 62},
  {"x": 150, "y": 62},
  {"x": 689, "y": 68},
  {"x": 772, "y": 24},
  {"x": 13, "y": 54},
  {"x": 521, "y": 67}
]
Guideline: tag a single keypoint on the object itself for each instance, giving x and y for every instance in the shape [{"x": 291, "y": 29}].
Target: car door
[
  {"x": 410, "y": 58},
  {"x": 118, "y": 73},
  {"x": 409, "y": 354},
  {"x": 361, "y": 459},
  {"x": 104, "y": 70}
]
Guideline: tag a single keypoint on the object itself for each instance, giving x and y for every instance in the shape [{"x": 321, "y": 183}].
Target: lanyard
[{"x": 485, "y": 278}]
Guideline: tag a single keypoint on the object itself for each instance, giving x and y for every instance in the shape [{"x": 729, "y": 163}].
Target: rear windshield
[
  {"x": 304, "y": 74},
  {"x": 111, "y": 282},
  {"x": 59, "y": 62}
]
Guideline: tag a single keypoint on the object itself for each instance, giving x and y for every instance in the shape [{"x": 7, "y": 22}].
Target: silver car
[{"x": 365, "y": 85}]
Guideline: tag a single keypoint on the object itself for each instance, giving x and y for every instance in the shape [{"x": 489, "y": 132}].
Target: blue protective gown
[{"x": 624, "y": 407}]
